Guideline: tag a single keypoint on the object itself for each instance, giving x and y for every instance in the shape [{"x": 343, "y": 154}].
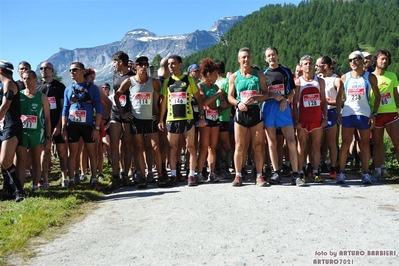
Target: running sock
[
  {"x": 192, "y": 173},
  {"x": 15, "y": 182},
  {"x": 259, "y": 175},
  {"x": 238, "y": 174}
]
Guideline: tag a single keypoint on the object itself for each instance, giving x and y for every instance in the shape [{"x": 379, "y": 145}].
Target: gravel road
[{"x": 217, "y": 224}]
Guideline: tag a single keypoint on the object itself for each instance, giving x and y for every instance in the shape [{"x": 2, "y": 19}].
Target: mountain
[{"x": 139, "y": 42}]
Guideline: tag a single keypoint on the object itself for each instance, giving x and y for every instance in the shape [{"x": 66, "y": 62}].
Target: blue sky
[{"x": 34, "y": 30}]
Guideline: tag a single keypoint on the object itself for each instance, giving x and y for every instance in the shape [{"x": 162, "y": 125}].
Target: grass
[{"x": 41, "y": 212}]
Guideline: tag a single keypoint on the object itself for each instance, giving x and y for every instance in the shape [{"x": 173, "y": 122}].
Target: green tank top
[
  {"x": 247, "y": 87},
  {"x": 32, "y": 113}
]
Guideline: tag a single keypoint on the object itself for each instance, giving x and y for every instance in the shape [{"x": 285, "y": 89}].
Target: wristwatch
[
  {"x": 201, "y": 117},
  {"x": 97, "y": 128},
  {"x": 374, "y": 113}
]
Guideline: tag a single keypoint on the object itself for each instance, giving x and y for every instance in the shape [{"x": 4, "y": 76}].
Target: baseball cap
[
  {"x": 6, "y": 65},
  {"x": 192, "y": 67},
  {"x": 141, "y": 58},
  {"x": 358, "y": 53},
  {"x": 365, "y": 54}
]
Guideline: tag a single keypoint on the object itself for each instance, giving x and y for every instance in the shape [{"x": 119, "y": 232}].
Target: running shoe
[
  {"x": 142, "y": 183},
  {"x": 303, "y": 177},
  {"x": 71, "y": 185},
  {"x": 366, "y": 179},
  {"x": 237, "y": 181},
  {"x": 95, "y": 184},
  {"x": 260, "y": 182},
  {"x": 324, "y": 168},
  {"x": 82, "y": 177},
  {"x": 200, "y": 179},
  {"x": 173, "y": 181},
  {"x": 341, "y": 178},
  {"x": 275, "y": 179},
  {"x": 296, "y": 180},
  {"x": 150, "y": 177},
  {"x": 100, "y": 177},
  {"x": 384, "y": 173},
  {"x": 65, "y": 183},
  {"x": 191, "y": 181},
  {"x": 19, "y": 196},
  {"x": 212, "y": 178},
  {"x": 317, "y": 178},
  {"x": 333, "y": 174},
  {"x": 376, "y": 176},
  {"x": 45, "y": 186},
  {"x": 35, "y": 188},
  {"x": 162, "y": 181}
]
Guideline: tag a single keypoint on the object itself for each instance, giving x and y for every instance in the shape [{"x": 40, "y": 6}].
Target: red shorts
[
  {"x": 385, "y": 119},
  {"x": 309, "y": 126}
]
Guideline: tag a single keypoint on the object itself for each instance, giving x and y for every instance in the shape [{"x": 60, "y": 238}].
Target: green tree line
[{"x": 316, "y": 27}]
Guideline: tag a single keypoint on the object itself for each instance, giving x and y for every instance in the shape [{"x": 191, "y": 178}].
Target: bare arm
[
  {"x": 7, "y": 86},
  {"x": 122, "y": 89}
]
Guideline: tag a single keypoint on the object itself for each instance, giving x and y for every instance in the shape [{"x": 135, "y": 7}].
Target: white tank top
[
  {"x": 357, "y": 95},
  {"x": 330, "y": 90}
]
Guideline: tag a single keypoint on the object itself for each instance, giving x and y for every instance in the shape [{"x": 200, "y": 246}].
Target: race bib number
[
  {"x": 386, "y": 98},
  {"x": 29, "y": 121},
  {"x": 212, "y": 114},
  {"x": 311, "y": 100},
  {"x": 53, "y": 103},
  {"x": 246, "y": 95},
  {"x": 356, "y": 94},
  {"x": 143, "y": 98},
  {"x": 278, "y": 88},
  {"x": 178, "y": 98},
  {"x": 77, "y": 116},
  {"x": 122, "y": 100}
]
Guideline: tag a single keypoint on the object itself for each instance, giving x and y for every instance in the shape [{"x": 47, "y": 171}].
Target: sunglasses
[
  {"x": 354, "y": 59},
  {"x": 105, "y": 87},
  {"x": 74, "y": 69},
  {"x": 143, "y": 64},
  {"x": 45, "y": 68},
  {"x": 319, "y": 65}
]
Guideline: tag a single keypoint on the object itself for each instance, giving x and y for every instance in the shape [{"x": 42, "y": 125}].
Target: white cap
[
  {"x": 358, "y": 53},
  {"x": 365, "y": 54}
]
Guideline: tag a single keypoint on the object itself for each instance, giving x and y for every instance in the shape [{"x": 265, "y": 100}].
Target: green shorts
[{"x": 32, "y": 138}]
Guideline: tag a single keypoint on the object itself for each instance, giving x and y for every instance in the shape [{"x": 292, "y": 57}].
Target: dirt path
[{"x": 217, "y": 224}]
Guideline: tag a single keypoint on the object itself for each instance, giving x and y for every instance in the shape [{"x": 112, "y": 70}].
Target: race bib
[
  {"x": 29, "y": 121},
  {"x": 386, "y": 98},
  {"x": 246, "y": 95},
  {"x": 278, "y": 88},
  {"x": 77, "y": 116},
  {"x": 195, "y": 108},
  {"x": 143, "y": 98},
  {"x": 212, "y": 114},
  {"x": 356, "y": 94},
  {"x": 122, "y": 100},
  {"x": 53, "y": 103},
  {"x": 311, "y": 100},
  {"x": 2, "y": 124},
  {"x": 178, "y": 98}
]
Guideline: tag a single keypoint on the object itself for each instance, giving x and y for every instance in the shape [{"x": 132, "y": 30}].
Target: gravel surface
[{"x": 217, "y": 224}]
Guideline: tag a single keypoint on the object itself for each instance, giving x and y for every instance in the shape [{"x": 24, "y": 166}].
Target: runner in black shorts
[{"x": 10, "y": 130}]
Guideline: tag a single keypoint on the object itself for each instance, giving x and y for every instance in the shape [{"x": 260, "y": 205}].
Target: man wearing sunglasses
[
  {"x": 144, "y": 116},
  {"x": 356, "y": 113},
  {"x": 54, "y": 90},
  {"x": 81, "y": 100}
]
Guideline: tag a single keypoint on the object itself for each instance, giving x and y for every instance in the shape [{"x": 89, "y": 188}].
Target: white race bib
[
  {"x": 278, "y": 88},
  {"x": 246, "y": 95},
  {"x": 53, "y": 103},
  {"x": 212, "y": 114},
  {"x": 77, "y": 116},
  {"x": 29, "y": 121},
  {"x": 311, "y": 100},
  {"x": 143, "y": 98},
  {"x": 122, "y": 100},
  {"x": 356, "y": 94},
  {"x": 386, "y": 98},
  {"x": 178, "y": 98}
]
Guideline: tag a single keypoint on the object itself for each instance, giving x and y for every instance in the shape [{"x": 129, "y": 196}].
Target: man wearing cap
[
  {"x": 54, "y": 90},
  {"x": 10, "y": 130},
  {"x": 144, "y": 116},
  {"x": 387, "y": 117},
  {"x": 367, "y": 62},
  {"x": 356, "y": 113},
  {"x": 176, "y": 93}
]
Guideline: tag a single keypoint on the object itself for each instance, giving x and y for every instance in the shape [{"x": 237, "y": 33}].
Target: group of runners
[{"x": 215, "y": 121}]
